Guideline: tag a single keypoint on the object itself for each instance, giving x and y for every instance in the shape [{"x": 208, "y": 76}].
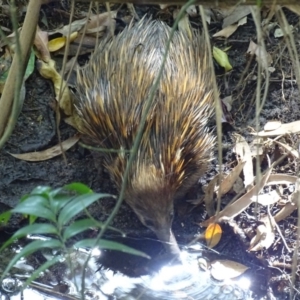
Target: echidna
[{"x": 176, "y": 145}]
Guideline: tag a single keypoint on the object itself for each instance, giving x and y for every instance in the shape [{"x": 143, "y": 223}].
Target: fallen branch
[{"x": 210, "y": 3}]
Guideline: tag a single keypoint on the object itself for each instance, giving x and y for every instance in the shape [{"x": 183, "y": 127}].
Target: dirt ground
[{"x": 36, "y": 130}]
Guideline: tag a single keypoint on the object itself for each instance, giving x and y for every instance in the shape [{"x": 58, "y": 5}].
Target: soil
[{"x": 36, "y": 130}]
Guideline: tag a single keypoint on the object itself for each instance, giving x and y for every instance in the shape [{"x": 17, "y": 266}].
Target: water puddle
[{"x": 165, "y": 281}]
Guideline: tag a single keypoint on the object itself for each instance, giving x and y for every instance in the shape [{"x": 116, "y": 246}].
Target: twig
[
  {"x": 11, "y": 91},
  {"x": 138, "y": 138}
]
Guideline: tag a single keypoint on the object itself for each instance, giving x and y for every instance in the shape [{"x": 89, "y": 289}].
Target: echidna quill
[{"x": 176, "y": 145}]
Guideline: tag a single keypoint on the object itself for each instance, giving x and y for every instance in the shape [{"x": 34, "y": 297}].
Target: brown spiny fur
[{"x": 176, "y": 145}]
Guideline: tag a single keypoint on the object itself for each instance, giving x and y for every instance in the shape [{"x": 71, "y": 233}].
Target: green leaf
[
  {"x": 222, "y": 58},
  {"x": 30, "y": 65},
  {"x": 77, "y": 205},
  {"x": 29, "y": 249},
  {"x": 105, "y": 244},
  {"x": 79, "y": 188},
  {"x": 41, "y": 190},
  {"x": 85, "y": 224},
  {"x": 5, "y": 63},
  {"x": 32, "y": 219},
  {"x": 35, "y": 205},
  {"x": 78, "y": 227},
  {"x": 59, "y": 201},
  {"x": 4, "y": 217},
  {"x": 23, "y": 198},
  {"x": 55, "y": 193},
  {"x": 30, "y": 229}
]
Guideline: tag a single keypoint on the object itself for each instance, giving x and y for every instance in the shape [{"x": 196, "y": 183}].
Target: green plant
[{"x": 58, "y": 207}]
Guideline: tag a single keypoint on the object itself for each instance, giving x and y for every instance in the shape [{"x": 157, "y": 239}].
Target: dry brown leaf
[
  {"x": 87, "y": 45},
  {"x": 230, "y": 29},
  {"x": 222, "y": 12},
  {"x": 279, "y": 32},
  {"x": 294, "y": 8},
  {"x": 289, "y": 208},
  {"x": 226, "y": 269},
  {"x": 238, "y": 186},
  {"x": 41, "y": 45},
  {"x": 239, "y": 205},
  {"x": 227, "y": 31},
  {"x": 95, "y": 31},
  {"x": 260, "y": 53},
  {"x": 208, "y": 13},
  {"x": 242, "y": 149},
  {"x": 286, "y": 211},
  {"x": 265, "y": 235},
  {"x": 272, "y": 125},
  {"x": 276, "y": 179},
  {"x": 294, "y": 152},
  {"x": 213, "y": 234},
  {"x": 242, "y": 21},
  {"x": 227, "y": 101},
  {"x": 49, "y": 153},
  {"x": 48, "y": 71},
  {"x": 229, "y": 180},
  {"x": 293, "y": 127},
  {"x": 227, "y": 183},
  {"x": 242, "y": 203},
  {"x": 65, "y": 30},
  {"x": 267, "y": 199},
  {"x": 236, "y": 14},
  {"x": 102, "y": 21}
]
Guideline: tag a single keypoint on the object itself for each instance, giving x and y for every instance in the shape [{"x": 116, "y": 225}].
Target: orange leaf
[{"x": 213, "y": 234}]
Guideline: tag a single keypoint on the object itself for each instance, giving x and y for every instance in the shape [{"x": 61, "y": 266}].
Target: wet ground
[{"x": 36, "y": 130}]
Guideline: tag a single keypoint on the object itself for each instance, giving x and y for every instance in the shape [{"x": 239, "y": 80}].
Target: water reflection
[{"x": 164, "y": 281}]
